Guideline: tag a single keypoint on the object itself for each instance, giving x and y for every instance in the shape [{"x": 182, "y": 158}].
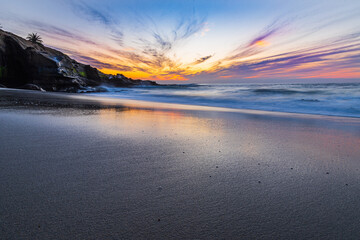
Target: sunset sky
[{"x": 199, "y": 40}]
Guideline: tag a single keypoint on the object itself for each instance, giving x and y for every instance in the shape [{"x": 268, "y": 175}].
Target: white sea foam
[{"x": 325, "y": 99}]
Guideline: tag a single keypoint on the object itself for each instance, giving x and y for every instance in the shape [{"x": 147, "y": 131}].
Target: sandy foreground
[{"x": 78, "y": 167}]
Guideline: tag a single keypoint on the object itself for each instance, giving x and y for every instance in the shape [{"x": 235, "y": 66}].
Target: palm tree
[{"x": 34, "y": 38}]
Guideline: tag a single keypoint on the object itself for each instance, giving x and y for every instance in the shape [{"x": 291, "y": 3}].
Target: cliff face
[{"x": 27, "y": 65}]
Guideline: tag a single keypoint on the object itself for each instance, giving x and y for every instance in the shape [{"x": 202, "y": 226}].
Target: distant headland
[{"x": 28, "y": 64}]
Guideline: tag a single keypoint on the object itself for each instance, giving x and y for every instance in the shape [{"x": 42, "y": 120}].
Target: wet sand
[{"x": 88, "y": 168}]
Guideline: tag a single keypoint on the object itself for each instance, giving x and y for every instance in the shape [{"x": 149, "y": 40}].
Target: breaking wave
[{"x": 326, "y": 99}]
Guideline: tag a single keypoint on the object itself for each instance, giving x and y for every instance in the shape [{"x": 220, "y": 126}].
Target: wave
[
  {"x": 179, "y": 86},
  {"x": 309, "y": 100},
  {"x": 326, "y": 99},
  {"x": 283, "y": 91}
]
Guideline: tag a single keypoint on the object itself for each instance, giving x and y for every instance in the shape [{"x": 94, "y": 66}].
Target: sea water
[{"x": 337, "y": 99}]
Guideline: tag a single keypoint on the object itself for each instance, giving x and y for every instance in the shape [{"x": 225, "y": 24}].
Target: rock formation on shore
[{"x": 24, "y": 64}]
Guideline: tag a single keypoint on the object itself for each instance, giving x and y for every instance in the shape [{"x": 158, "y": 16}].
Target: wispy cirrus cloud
[
  {"x": 256, "y": 44},
  {"x": 91, "y": 61},
  {"x": 98, "y": 64},
  {"x": 56, "y": 32},
  {"x": 93, "y": 14},
  {"x": 187, "y": 27},
  {"x": 341, "y": 53},
  {"x": 157, "y": 53}
]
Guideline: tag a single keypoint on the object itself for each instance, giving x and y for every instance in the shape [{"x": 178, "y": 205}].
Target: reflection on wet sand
[
  {"x": 249, "y": 137},
  {"x": 157, "y": 122}
]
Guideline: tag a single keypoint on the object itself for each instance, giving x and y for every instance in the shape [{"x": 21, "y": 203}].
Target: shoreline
[{"x": 11, "y": 97}]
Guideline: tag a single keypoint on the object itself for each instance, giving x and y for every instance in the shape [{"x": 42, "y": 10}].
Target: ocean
[{"x": 335, "y": 99}]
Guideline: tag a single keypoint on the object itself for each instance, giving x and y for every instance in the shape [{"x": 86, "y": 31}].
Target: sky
[{"x": 200, "y": 41}]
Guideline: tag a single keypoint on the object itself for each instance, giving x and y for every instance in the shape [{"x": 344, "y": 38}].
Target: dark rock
[
  {"x": 30, "y": 86},
  {"x": 15, "y": 71},
  {"x": 91, "y": 73},
  {"x": 101, "y": 89}
]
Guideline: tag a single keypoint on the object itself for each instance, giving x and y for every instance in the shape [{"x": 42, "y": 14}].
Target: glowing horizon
[{"x": 199, "y": 41}]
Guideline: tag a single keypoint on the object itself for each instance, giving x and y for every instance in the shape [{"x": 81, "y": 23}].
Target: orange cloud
[
  {"x": 261, "y": 43},
  {"x": 175, "y": 77},
  {"x": 229, "y": 76}
]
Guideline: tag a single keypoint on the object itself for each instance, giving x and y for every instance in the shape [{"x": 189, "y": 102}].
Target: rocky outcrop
[
  {"x": 23, "y": 63},
  {"x": 120, "y": 80}
]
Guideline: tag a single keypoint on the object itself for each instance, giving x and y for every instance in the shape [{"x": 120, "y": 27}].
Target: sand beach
[{"x": 80, "y": 167}]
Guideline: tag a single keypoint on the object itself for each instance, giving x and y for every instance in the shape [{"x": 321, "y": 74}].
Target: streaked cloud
[
  {"x": 96, "y": 15},
  {"x": 58, "y": 33},
  {"x": 91, "y": 13},
  {"x": 203, "y": 59},
  {"x": 329, "y": 57}
]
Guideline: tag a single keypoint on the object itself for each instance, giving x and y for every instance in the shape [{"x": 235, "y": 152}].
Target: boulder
[{"x": 30, "y": 86}]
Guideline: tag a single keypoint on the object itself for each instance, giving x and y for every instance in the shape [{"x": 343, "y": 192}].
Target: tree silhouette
[{"x": 34, "y": 38}]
